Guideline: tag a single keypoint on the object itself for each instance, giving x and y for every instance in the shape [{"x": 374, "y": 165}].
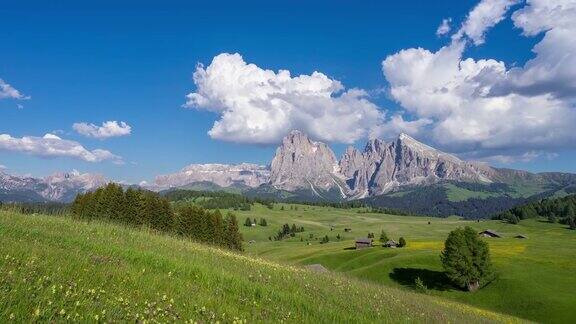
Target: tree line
[
  {"x": 560, "y": 210},
  {"x": 136, "y": 207},
  {"x": 214, "y": 199},
  {"x": 47, "y": 208}
]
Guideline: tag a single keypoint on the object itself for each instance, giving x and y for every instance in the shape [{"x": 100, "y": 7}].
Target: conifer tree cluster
[
  {"x": 288, "y": 230},
  {"x": 561, "y": 210},
  {"x": 144, "y": 208}
]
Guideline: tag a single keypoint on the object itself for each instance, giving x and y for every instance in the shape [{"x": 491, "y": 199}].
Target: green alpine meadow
[
  {"x": 56, "y": 269},
  {"x": 306, "y": 162}
]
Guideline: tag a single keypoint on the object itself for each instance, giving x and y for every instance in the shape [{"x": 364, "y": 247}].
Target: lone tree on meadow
[
  {"x": 248, "y": 222},
  {"x": 466, "y": 259},
  {"x": 401, "y": 242}
]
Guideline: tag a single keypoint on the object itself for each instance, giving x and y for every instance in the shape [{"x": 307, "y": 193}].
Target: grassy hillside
[
  {"x": 536, "y": 275},
  {"x": 54, "y": 269}
]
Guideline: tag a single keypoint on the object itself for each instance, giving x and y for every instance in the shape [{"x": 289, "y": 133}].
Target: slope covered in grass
[
  {"x": 535, "y": 275},
  {"x": 55, "y": 268}
]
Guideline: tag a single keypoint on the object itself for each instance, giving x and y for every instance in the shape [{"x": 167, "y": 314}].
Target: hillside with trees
[
  {"x": 144, "y": 208},
  {"x": 560, "y": 210},
  {"x": 213, "y": 199}
]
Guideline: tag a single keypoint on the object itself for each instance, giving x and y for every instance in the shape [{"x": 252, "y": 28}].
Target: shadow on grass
[{"x": 435, "y": 280}]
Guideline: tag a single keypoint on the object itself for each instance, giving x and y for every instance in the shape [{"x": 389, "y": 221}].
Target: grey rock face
[
  {"x": 59, "y": 187},
  {"x": 405, "y": 161},
  {"x": 224, "y": 175},
  {"x": 303, "y": 164},
  {"x": 300, "y": 163}
]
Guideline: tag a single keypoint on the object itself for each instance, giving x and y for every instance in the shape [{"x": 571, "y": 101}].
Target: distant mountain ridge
[
  {"x": 244, "y": 175},
  {"x": 305, "y": 169},
  {"x": 58, "y": 187},
  {"x": 403, "y": 174}
]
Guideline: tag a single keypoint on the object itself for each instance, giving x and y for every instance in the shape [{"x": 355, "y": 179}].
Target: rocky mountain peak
[
  {"x": 302, "y": 163},
  {"x": 374, "y": 146},
  {"x": 417, "y": 147}
]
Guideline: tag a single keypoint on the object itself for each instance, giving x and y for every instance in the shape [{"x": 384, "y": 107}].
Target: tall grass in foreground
[{"x": 56, "y": 269}]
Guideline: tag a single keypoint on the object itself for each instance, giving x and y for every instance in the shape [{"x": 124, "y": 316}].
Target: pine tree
[
  {"x": 383, "y": 237},
  {"x": 466, "y": 259},
  {"x": 569, "y": 211},
  {"x": 263, "y": 222},
  {"x": 132, "y": 207},
  {"x": 232, "y": 233},
  {"x": 218, "y": 228},
  {"x": 572, "y": 223},
  {"x": 293, "y": 229},
  {"x": 401, "y": 242},
  {"x": 248, "y": 222}
]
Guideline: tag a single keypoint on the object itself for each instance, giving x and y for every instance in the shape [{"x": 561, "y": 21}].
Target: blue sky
[{"x": 134, "y": 62}]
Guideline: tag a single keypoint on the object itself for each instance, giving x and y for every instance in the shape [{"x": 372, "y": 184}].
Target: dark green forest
[
  {"x": 560, "y": 210},
  {"x": 214, "y": 199},
  {"x": 145, "y": 208}
]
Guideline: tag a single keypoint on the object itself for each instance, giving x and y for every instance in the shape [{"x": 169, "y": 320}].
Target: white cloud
[
  {"x": 261, "y": 106},
  {"x": 485, "y": 15},
  {"x": 553, "y": 70},
  {"x": 481, "y": 107},
  {"x": 108, "y": 129},
  {"x": 444, "y": 27},
  {"x": 3, "y": 167},
  {"x": 51, "y": 145},
  {"x": 7, "y": 91}
]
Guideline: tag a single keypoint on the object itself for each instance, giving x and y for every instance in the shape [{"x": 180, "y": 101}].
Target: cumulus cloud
[
  {"x": 108, "y": 129},
  {"x": 7, "y": 91},
  {"x": 553, "y": 70},
  {"x": 444, "y": 27},
  {"x": 482, "y": 107},
  {"x": 261, "y": 106},
  {"x": 487, "y": 14},
  {"x": 51, "y": 145}
]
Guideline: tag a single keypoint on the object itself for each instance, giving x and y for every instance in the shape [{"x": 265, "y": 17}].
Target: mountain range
[
  {"x": 403, "y": 173},
  {"x": 59, "y": 187}
]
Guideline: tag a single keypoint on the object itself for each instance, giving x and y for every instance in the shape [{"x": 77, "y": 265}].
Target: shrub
[
  {"x": 401, "y": 242},
  {"x": 420, "y": 286},
  {"x": 383, "y": 237}
]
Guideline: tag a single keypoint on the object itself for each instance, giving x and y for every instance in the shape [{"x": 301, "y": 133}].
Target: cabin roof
[
  {"x": 364, "y": 240},
  {"x": 490, "y": 232}
]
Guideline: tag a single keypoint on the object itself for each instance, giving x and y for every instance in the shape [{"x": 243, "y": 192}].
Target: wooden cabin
[{"x": 363, "y": 243}]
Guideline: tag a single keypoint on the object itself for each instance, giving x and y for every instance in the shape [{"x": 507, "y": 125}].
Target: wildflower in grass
[
  {"x": 62, "y": 312},
  {"x": 37, "y": 312},
  {"x": 12, "y": 316}
]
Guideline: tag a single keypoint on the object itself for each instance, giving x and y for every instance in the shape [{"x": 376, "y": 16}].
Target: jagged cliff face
[
  {"x": 404, "y": 161},
  {"x": 300, "y": 163},
  {"x": 303, "y": 164},
  {"x": 224, "y": 175}
]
